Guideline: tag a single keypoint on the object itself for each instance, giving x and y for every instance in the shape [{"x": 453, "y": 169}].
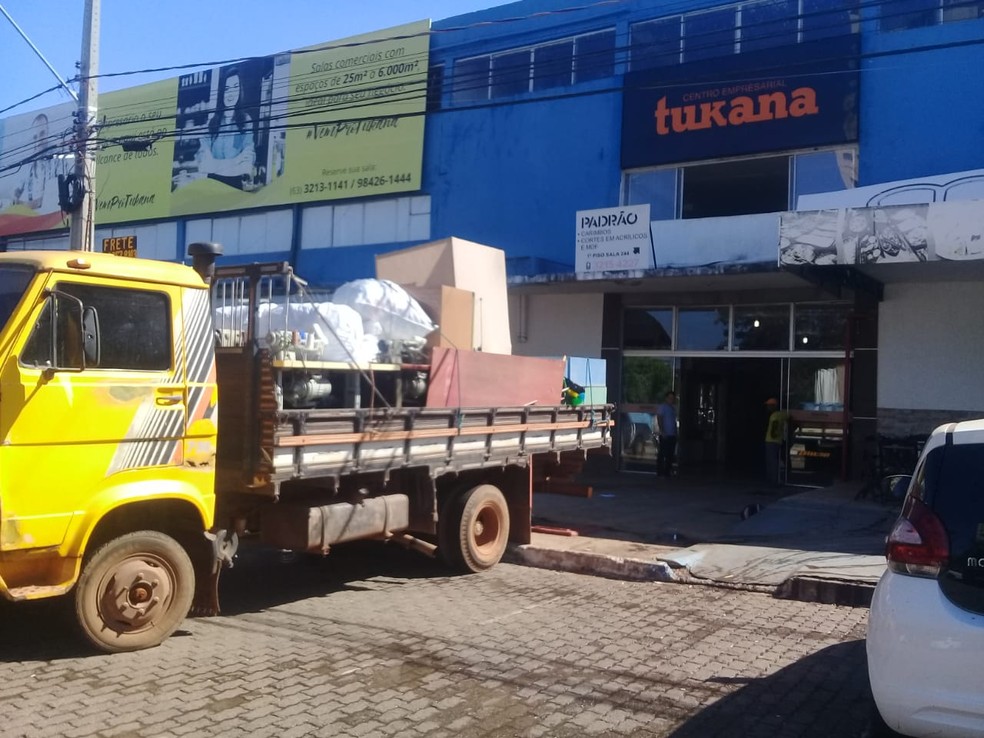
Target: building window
[
  {"x": 552, "y": 65},
  {"x": 646, "y": 380},
  {"x": 709, "y": 35},
  {"x": 820, "y": 327},
  {"x": 471, "y": 80},
  {"x": 827, "y": 18},
  {"x": 816, "y": 384},
  {"x": 594, "y": 57},
  {"x": 511, "y": 73},
  {"x": 904, "y": 14},
  {"x": 650, "y": 329},
  {"x": 755, "y": 26},
  {"x": 769, "y": 24},
  {"x": 901, "y": 15},
  {"x": 824, "y": 171},
  {"x": 658, "y": 187},
  {"x": 435, "y": 87},
  {"x": 961, "y": 10},
  {"x": 544, "y": 67},
  {"x": 702, "y": 329},
  {"x": 740, "y": 187},
  {"x": 656, "y": 43},
  {"x": 761, "y": 328}
]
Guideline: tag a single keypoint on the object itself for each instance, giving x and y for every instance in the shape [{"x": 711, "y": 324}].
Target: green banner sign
[{"x": 337, "y": 121}]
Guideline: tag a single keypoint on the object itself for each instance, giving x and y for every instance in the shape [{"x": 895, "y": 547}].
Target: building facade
[{"x": 803, "y": 180}]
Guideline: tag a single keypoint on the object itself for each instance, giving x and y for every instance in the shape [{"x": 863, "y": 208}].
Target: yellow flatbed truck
[{"x": 126, "y": 484}]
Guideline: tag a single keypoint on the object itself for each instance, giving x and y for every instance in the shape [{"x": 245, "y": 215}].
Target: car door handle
[{"x": 169, "y": 397}]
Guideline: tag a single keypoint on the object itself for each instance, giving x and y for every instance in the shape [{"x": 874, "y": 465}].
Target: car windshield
[{"x": 14, "y": 279}]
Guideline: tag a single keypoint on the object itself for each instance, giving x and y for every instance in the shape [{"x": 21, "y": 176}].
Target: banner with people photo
[
  {"x": 336, "y": 121},
  {"x": 938, "y": 231}
]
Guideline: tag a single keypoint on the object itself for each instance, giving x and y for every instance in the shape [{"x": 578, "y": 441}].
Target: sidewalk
[{"x": 805, "y": 544}]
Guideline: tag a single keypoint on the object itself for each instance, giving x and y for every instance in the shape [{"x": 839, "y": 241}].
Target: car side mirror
[{"x": 895, "y": 486}]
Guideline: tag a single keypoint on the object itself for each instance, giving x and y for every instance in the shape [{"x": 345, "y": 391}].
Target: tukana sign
[{"x": 784, "y": 98}]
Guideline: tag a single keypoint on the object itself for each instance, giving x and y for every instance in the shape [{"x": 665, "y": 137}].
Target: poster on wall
[
  {"x": 939, "y": 231},
  {"x": 613, "y": 240},
  {"x": 336, "y": 121},
  {"x": 34, "y": 151}
]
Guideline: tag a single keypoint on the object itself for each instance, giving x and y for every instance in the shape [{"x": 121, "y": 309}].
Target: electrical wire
[
  {"x": 666, "y": 15},
  {"x": 295, "y": 80},
  {"x": 418, "y": 92}
]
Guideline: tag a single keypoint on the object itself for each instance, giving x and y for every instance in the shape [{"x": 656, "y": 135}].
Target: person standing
[
  {"x": 666, "y": 415},
  {"x": 775, "y": 436}
]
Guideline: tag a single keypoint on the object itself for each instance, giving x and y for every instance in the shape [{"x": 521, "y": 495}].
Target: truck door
[{"x": 75, "y": 426}]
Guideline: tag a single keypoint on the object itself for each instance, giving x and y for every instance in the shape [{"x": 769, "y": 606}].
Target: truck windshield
[{"x": 14, "y": 279}]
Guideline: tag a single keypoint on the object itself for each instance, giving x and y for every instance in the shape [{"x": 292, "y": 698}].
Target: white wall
[
  {"x": 155, "y": 241},
  {"x": 930, "y": 346},
  {"x": 557, "y": 325}
]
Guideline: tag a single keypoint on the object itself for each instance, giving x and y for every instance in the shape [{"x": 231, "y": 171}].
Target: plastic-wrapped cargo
[
  {"x": 319, "y": 331},
  {"x": 387, "y": 310},
  {"x": 337, "y": 327}
]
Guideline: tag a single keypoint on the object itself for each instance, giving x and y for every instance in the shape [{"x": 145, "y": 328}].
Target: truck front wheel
[
  {"x": 134, "y": 592},
  {"x": 476, "y": 530}
]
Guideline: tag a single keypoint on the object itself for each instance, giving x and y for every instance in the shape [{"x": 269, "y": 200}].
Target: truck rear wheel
[
  {"x": 476, "y": 530},
  {"x": 134, "y": 592}
]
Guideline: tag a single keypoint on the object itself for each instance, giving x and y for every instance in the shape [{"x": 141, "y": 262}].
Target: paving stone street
[{"x": 381, "y": 642}]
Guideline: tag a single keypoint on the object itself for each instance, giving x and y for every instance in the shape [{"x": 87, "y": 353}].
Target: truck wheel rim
[
  {"x": 485, "y": 530},
  {"x": 136, "y": 592}
]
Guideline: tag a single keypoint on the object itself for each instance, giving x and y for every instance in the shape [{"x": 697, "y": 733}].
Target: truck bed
[{"x": 262, "y": 445}]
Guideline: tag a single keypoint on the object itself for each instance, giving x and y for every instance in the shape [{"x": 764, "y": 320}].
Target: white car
[{"x": 926, "y": 627}]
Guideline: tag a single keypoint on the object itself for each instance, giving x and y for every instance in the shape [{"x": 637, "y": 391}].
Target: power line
[
  {"x": 835, "y": 11},
  {"x": 415, "y": 94},
  {"x": 667, "y": 11},
  {"x": 457, "y": 80}
]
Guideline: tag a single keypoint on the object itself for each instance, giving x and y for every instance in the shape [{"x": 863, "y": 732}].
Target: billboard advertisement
[
  {"x": 336, "y": 121},
  {"x": 921, "y": 232},
  {"x": 34, "y": 151},
  {"x": 755, "y": 102}
]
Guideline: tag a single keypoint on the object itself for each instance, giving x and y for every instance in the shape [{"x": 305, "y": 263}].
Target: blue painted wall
[
  {"x": 513, "y": 172},
  {"x": 922, "y": 112}
]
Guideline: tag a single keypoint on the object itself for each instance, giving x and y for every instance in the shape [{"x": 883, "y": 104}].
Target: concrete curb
[
  {"x": 797, "y": 587},
  {"x": 594, "y": 564}
]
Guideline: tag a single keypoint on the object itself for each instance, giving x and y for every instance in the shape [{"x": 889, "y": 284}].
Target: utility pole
[{"x": 82, "y": 231}]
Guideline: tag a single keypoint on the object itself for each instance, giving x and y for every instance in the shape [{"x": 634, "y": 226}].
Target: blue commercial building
[{"x": 737, "y": 201}]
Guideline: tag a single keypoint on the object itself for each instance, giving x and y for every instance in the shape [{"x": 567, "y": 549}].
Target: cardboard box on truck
[{"x": 470, "y": 266}]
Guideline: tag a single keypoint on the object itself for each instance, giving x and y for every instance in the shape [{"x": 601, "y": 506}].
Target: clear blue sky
[{"x": 137, "y": 34}]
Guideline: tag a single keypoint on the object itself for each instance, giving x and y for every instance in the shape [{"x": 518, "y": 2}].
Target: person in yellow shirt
[{"x": 775, "y": 436}]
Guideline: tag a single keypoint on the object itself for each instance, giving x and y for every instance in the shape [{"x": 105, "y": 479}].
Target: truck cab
[{"x": 107, "y": 438}]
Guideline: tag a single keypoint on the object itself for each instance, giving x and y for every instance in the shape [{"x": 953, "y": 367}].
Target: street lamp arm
[{"x": 40, "y": 56}]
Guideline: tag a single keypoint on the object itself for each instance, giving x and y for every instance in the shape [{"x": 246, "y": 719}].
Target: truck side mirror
[
  {"x": 68, "y": 338},
  {"x": 90, "y": 336}
]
